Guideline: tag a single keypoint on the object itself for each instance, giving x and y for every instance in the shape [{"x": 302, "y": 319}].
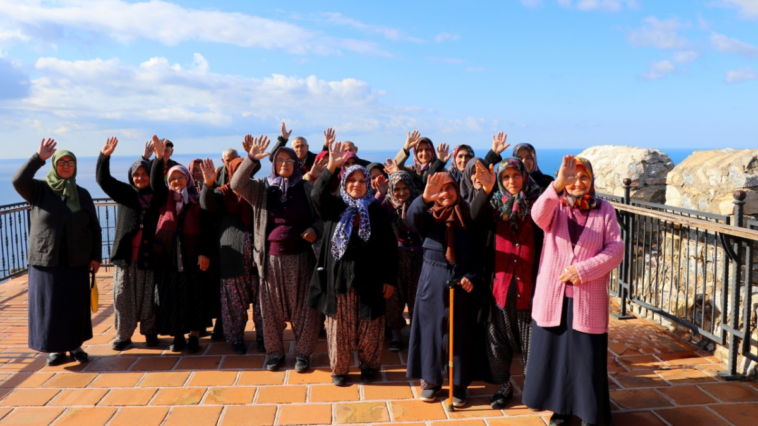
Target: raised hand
[
  {"x": 433, "y": 187},
  {"x": 498, "y": 143},
  {"x": 337, "y": 156},
  {"x": 390, "y": 166},
  {"x": 209, "y": 172},
  {"x": 148, "y": 152},
  {"x": 412, "y": 140},
  {"x": 382, "y": 185},
  {"x": 486, "y": 177},
  {"x": 285, "y": 133},
  {"x": 443, "y": 152},
  {"x": 258, "y": 150},
  {"x": 159, "y": 147},
  {"x": 46, "y": 149},
  {"x": 329, "y": 136},
  {"x": 109, "y": 147},
  {"x": 247, "y": 143},
  {"x": 318, "y": 168},
  {"x": 566, "y": 174}
]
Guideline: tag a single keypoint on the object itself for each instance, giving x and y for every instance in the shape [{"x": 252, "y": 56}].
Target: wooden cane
[{"x": 451, "y": 285}]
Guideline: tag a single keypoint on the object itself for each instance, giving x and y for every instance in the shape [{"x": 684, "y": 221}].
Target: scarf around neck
[
  {"x": 284, "y": 184},
  {"x": 514, "y": 208},
  {"x": 64, "y": 187},
  {"x": 422, "y": 167},
  {"x": 344, "y": 229},
  {"x": 587, "y": 201},
  {"x": 452, "y": 216}
]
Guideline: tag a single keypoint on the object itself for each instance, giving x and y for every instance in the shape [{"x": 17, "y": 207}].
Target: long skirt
[
  {"x": 508, "y": 332},
  {"x": 569, "y": 373},
  {"x": 409, "y": 270},
  {"x": 180, "y": 302},
  {"x": 59, "y": 308},
  {"x": 284, "y": 294},
  {"x": 133, "y": 301},
  {"x": 237, "y": 295},
  {"x": 347, "y": 332}
]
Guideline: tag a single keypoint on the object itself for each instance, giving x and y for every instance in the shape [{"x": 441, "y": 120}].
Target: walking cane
[{"x": 451, "y": 285}]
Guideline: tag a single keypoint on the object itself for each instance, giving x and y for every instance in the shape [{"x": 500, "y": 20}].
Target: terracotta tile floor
[{"x": 655, "y": 379}]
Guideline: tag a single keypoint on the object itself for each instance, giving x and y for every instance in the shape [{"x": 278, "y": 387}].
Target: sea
[{"x": 549, "y": 161}]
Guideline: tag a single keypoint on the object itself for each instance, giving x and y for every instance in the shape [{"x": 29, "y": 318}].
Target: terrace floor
[{"x": 655, "y": 379}]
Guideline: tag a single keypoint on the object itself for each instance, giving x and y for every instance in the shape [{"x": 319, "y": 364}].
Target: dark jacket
[
  {"x": 131, "y": 216},
  {"x": 366, "y": 265},
  {"x": 50, "y": 218}
]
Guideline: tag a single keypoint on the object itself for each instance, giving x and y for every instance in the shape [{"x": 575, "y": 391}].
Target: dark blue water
[{"x": 549, "y": 162}]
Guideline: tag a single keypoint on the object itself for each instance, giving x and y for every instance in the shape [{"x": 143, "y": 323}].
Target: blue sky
[{"x": 556, "y": 73}]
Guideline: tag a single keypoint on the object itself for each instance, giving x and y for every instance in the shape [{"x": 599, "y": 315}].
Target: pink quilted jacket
[{"x": 599, "y": 250}]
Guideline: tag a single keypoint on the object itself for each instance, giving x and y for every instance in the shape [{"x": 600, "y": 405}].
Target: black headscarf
[
  {"x": 133, "y": 168},
  {"x": 468, "y": 193}
]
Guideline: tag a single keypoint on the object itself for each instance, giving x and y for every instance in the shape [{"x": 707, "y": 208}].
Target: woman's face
[
  {"x": 65, "y": 166},
  {"x": 475, "y": 181},
  {"x": 512, "y": 180},
  {"x": 526, "y": 157},
  {"x": 448, "y": 195},
  {"x": 197, "y": 173},
  {"x": 284, "y": 165},
  {"x": 177, "y": 181},
  {"x": 350, "y": 162},
  {"x": 461, "y": 158},
  {"x": 424, "y": 153},
  {"x": 582, "y": 185},
  {"x": 140, "y": 178},
  {"x": 356, "y": 185},
  {"x": 375, "y": 173},
  {"x": 401, "y": 191}
]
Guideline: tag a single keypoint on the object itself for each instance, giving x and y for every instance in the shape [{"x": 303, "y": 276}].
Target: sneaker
[
  {"x": 339, "y": 380},
  {"x": 559, "y": 420},
  {"x": 260, "y": 346},
  {"x": 193, "y": 345},
  {"x": 301, "y": 365},
  {"x": 367, "y": 375},
  {"x": 56, "y": 358},
  {"x": 396, "y": 346},
  {"x": 239, "y": 348},
  {"x": 274, "y": 363},
  {"x": 430, "y": 395},
  {"x": 81, "y": 357},
  {"x": 120, "y": 345},
  {"x": 178, "y": 344},
  {"x": 151, "y": 340},
  {"x": 459, "y": 396}
]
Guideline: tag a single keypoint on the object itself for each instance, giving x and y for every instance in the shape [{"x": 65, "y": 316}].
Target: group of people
[{"x": 330, "y": 240}]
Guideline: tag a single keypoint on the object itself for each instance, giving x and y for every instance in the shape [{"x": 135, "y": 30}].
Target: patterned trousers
[
  {"x": 347, "y": 332},
  {"x": 236, "y": 296},
  {"x": 409, "y": 270},
  {"x": 133, "y": 295}
]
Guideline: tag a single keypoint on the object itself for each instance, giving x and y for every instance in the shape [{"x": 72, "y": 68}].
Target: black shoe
[
  {"x": 56, "y": 358},
  {"x": 501, "y": 397},
  {"x": 151, "y": 340},
  {"x": 339, "y": 380},
  {"x": 120, "y": 345},
  {"x": 274, "y": 363},
  {"x": 239, "y": 348},
  {"x": 218, "y": 332},
  {"x": 178, "y": 344},
  {"x": 459, "y": 396},
  {"x": 430, "y": 395},
  {"x": 193, "y": 345},
  {"x": 301, "y": 365},
  {"x": 396, "y": 346},
  {"x": 367, "y": 375},
  {"x": 81, "y": 357},
  {"x": 260, "y": 345},
  {"x": 559, "y": 420}
]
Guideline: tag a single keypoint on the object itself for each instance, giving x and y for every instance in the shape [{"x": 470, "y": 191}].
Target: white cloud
[
  {"x": 686, "y": 56},
  {"x": 604, "y": 5},
  {"x": 726, "y": 44},
  {"x": 171, "y": 24},
  {"x": 659, "y": 70},
  {"x": 747, "y": 8},
  {"x": 389, "y": 33},
  {"x": 439, "y": 38},
  {"x": 661, "y": 34},
  {"x": 741, "y": 75}
]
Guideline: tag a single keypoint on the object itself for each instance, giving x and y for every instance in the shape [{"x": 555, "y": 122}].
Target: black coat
[
  {"x": 131, "y": 216},
  {"x": 366, "y": 265},
  {"x": 50, "y": 219}
]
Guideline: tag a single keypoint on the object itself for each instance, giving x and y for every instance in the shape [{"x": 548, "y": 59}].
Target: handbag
[{"x": 94, "y": 295}]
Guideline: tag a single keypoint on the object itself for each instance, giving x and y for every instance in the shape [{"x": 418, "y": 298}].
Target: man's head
[
  {"x": 300, "y": 145},
  {"x": 168, "y": 151},
  {"x": 228, "y": 155},
  {"x": 349, "y": 146}
]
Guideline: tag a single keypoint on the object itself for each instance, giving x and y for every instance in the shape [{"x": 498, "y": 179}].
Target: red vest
[{"x": 514, "y": 257}]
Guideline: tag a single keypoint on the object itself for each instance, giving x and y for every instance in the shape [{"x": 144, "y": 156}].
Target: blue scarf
[{"x": 344, "y": 229}]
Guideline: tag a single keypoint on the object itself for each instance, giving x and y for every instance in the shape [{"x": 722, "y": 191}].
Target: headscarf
[
  {"x": 189, "y": 194},
  {"x": 349, "y": 156},
  {"x": 452, "y": 216},
  {"x": 405, "y": 177},
  {"x": 233, "y": 203},
  {"x": 467, "y": 191},
  {"x": 538, "y": 177},
  {"x": 509, "y": 207},
  {"x": 453, "y": 169},
  {"x": 344, "y": 229},
  {"x": 420, "y": 168},
  {"x": 133, "y": 169},
  {"x": 372, "y": 166},
  {"x": 64, "y": 187},
  {"x": 285, "y": 183},
  {"x": 588, "y": 201},
  {"x": 196, "y": 162}
]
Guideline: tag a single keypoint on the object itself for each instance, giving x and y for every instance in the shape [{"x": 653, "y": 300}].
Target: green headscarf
[{"x": 64, "y": 187}]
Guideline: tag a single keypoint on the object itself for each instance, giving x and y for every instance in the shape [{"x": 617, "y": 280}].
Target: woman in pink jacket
[{"x": 570, "y": 330}]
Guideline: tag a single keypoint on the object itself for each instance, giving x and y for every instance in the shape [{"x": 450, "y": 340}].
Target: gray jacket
[{"x": 49, "y": 218}]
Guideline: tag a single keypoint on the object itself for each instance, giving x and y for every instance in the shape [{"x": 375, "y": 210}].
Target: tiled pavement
[{"x": 655, "y": 379}]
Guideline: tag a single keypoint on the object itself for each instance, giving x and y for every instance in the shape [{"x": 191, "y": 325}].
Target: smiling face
[
  {"x": 401, "y": 192},
  {"x": 140, "y": 178},
  {"x": 375, "y": 173},
  {"x": 349, "y": 146},
  {"x": 526, "y": 157},
  {"x": 197, "y": 172},
  {"x": 177, "y": 181},
  {"x": 461, "y": 158},
  {"x": 512, "y": 180},
  {"x": 356, "y": 185},
  {"x": 65, "y": 166},
  {"x": 424, "y": 152},
  {"x": 475, "y": 182},
  {"x": 582, "y": 185},
  {"x": 300, "y": 146},
  {"x": 285, "y": 165},
  {"x": 448, "y": 195}
]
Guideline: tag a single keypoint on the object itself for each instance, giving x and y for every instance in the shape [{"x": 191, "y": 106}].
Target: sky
[{"x": 555, "y": 73}]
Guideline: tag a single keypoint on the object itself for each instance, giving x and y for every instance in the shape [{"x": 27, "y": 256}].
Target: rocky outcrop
[
  {"x": 647, "y": 168},
  {"x": 706, "y": 180}
]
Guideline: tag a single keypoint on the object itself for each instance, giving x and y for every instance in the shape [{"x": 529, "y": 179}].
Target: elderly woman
[
  {"x": 570, "y": 333},
  {"x": 462, "y": 154},
  {"x": 526, "y": 153},
  {"x": 451, "y": 252},
  {"x": 425, "y": 159},
  {"x": 504, "y": 205},
  {"x": 133, "y": 283},
  {"x": 180, "y": 253},
  {"x": 285, "y": 225},
  {"x": 65, "y": 243},
  {"x": 347, "y": 286}
]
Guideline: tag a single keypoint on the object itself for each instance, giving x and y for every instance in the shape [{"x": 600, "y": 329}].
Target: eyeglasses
[
  {"x": 290, "y": 161},
  {"x": 63, "y": 163}
]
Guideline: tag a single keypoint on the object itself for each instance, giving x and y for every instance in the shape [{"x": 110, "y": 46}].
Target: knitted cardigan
[{"x": 599, "y": 251}]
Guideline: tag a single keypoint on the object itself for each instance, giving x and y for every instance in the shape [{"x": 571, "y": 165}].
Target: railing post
[
  {"x": 734, "y": 289},
  {"x": 624, "y": 270}
]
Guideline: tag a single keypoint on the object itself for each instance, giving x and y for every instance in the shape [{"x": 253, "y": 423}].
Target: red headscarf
[
  {"x": 233, "y": 203},
  {"x": 452, "y": 216}
]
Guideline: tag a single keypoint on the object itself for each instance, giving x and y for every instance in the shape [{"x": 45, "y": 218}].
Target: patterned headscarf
[
  {"x": 422, "y": 167},
  {"x": 189, "y": 194},
  {"x": 344, "y": 229},
  {"x": 452, "y": 216},
  {"x": 405, "y": 177},
  {"x": 588, "y": 201},
  {"x": 285, "y": 183},
  {"x": 453, "y": 169},
  {"x": 64, "y": 187},
  {"x": 531, "y": 149},
  {"x": 514, "y": 208}
]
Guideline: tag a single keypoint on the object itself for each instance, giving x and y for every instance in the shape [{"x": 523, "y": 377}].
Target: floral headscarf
[
  {"x": 538, "y": 177},
  {"x": 422, "y": 167},
  {"x": 509, "y": 207},
  {"x": 453, "y": 169},
  {"x": 344, "y": 229},
  {"x": 588, "y": 201},
  {"x": 281, "y": 182},
  {"x": 405, "y": 177}
]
